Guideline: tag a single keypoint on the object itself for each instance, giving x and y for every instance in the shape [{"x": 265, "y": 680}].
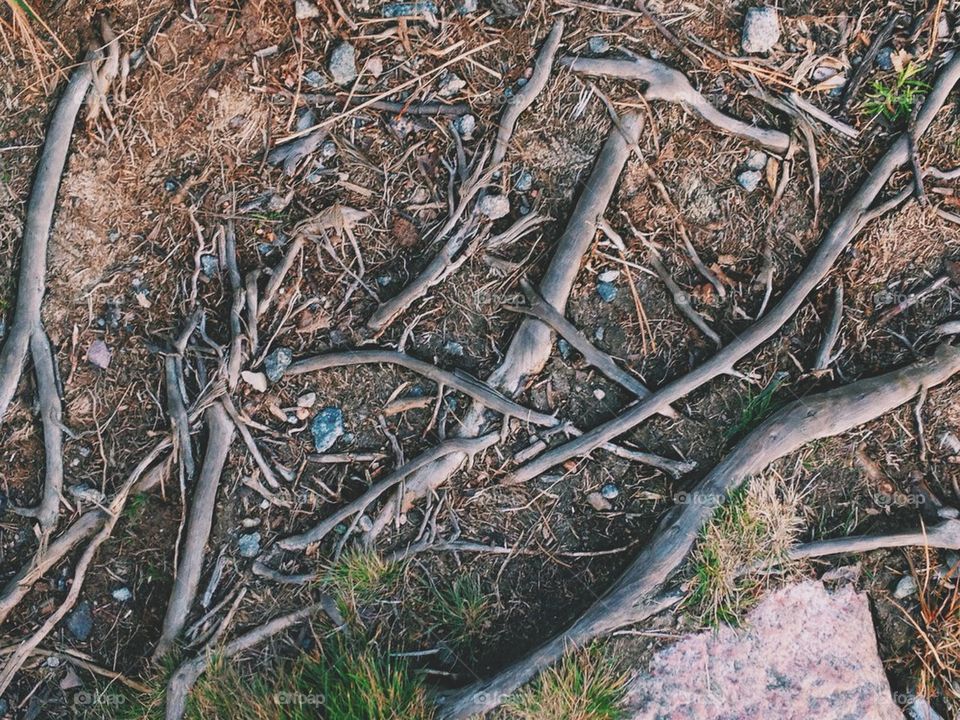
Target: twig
[
  {"x": 399, "y": 108},
  {"x": 36, "y": 233},
  {"x": 816, "y": 113},
  {"x": 665, "y": 83},
  {"x": 279, "y": 273},
  {"x": 915, "y": 165},
  {"x": 918, "y": 414},
  {"x": 523, "y": 99},
  {"x": 912, "y": 299},
  {"x": 177, "y": 398},
  {"x": 478, "y": 390},
  {"x": 546, "y": 313},
  {"x": 263, "y": 570},
  {"x": 852, "y": 87},
  {"x": 680, "y": 297},
  {"x": 945, "y": 535},
  {"x": 251, "y": 443},
  {"x": 237, "y": 356},
  {"x": 840, "y": 233},
  {"x": 829, "y": 339},
  {"x": 186, "y": 676},
  {"x": 467, "y": 446},
  {"x": 219, "y": 437},
  {"x": 814, "y": 417}
]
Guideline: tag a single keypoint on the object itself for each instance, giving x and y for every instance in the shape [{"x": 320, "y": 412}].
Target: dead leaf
[
  {"x": 256, "y": 380},
  {"x": 773, "y": 172},
  {"x": 404, "y": 232}
]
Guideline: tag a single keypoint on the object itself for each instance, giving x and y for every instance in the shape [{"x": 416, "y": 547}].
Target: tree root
[
  {"x": 36, "y": 233},
  {"x": 829, "y": 339},
  {"x": 944, "y": 535},
  {"x": 219, "y": 438},
  {"x": 665, "y": 83},
  {"x": 476, "y": 389},
  {"x": 847, "y": 224},
  {"x": 818, "y": 416}
]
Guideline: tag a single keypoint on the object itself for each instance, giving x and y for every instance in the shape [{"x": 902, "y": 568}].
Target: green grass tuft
[
  {"x": 583, "y": 686},
  {"x": 895, "y": 99},
  {"x": 360, "y": 577},
  {"x": 756, "y": 408},
  {"x": 460, "y": 612}
]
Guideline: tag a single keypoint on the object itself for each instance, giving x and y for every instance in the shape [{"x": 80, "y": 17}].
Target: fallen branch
[
  {"x": 459, "y": 446},
  {"x": 945, "y": 535},
  {"x": 532, "y": 344},
  {"x": 665, "y": 83},
  {"x": 219, "y": 437},
  {"x": 841, "y": 232},
  {"x": 680, "y": 297},
  {"x": 478, "y": 390},
  {"x": 186, "y": 676},
  {"x": 626, "y": 602},
  {"x": 524, "y": 98},
  {"x": 36, "y": 232}
]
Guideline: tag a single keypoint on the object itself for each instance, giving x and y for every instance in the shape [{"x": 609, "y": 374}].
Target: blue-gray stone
[
  {"x": 607, "y": 291},
  {"x": 209, "y": 264},
  {"x": 249, "y": 545},
  {"x": 598, "y": 45},
  {"x": 749, "y": 180},
  {"x": 564, "y": 347},
  {"x": 407, "y": 9},
  {"x": 122, "y": 594},
  {"x": 885, "y": 58},
  {"x": 80, "y": 621},
  {"x": 453, "y": 348},
  {"x": 467, "y": 6},
  {"x": 610, "y": 491},
  {"x": 277, "y": 362},
  {"x": 326, "y": 427},
  {"x": 314, "y": 78},
  {"x": 524, "y": 182},
  {"x": 343, "y": 64},
  {"x": 171, "y": 185}
]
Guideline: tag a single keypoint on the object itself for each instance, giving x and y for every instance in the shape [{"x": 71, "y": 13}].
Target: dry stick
[
  {"x": 912, "y": 299},
  {"x": 112, "y": 514},
  {"x": 185, "y": 676},
  {"x": 523, "y": 99},
  {"x": 816, "y": 113},
  {"x": 478, "y": 390},
  {"x": 460, "y": 446},
  {"x": 400, "y": 108},
  {"x": 840, "y": 233},
  {"x": 253, "y": 310},
  {"x": 680, "y": 297},
  {"x": 36, "y": 233},
  {"x": 665, "y": 83},
  {"x": 866, "y": 63},
  {"x": 51, "y": 412},
  {"x": 915, "y": 165},
  {"x": 811, "y": 418},
  {"x": 676, "y": 468},
  {"x": 219, "y": 437},
  {"x": 532, "y": 344},
  {"x": 945, "y": 535},
  {"x": 546, "y": 313},
  {"x": 279, "y": 273},
  {"x": 825, "y": 351},
  {"x": 176, "y": 395},
  {"x": 251, "y": 443},
  {"x": 236, "y": 357}
]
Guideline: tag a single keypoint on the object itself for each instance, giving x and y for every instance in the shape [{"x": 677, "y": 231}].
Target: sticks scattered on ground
[
  {"x": 665, "y": 83},
  {"x": 852, "y": 87},
  {"x": 627, "y": 602},
  {"x": 841, "y": 232},
  {"x": 829, "y": 339},
  {"x": 680, "y": 296}
]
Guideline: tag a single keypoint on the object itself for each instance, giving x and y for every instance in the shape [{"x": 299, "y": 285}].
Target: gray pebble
[
  {"x": 314, "y": 79},
  {"x": 606, "y": 291},
  {"x": 884, "y": 59},
  {"x": 598, "y": 45},
  {"x": 465, "y": 126},
  {"x": 249, "y": 545},
  {"x": 122, "y": 594},
  {"x": 209, "y": 264},
  {"x": 326, "y": 427},
  {"x": 343, "y": 64},
  {"x": 307, "y": 400},
  {"x": 494, "y": 206},
  {"x": 80, "y": 621},
  {"x": 761, "y": 30},
  {"x": 563, "y": 347},
  {"x": 749, "y": 180},
  {"x": 277, "y": 362},
  {"x": 905, "y": 588},
  {"x": 450, "y": 84},
  {"x": 756, "y": 160},
  {"x": 610, "y": 491},
  {"x": 524, "y": 182}
]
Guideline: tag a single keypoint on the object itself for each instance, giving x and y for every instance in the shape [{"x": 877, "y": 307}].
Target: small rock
[
  {"x": 53, "y": 661},
  {"x": 884, "y": 59},
  {"x": 277, "y": 362},
  {"x": 608, "y": 276},
  {"x": 343, "y": 64},
  {"x": 599, "y": 394},
  {"x": 494, "y": 206},
  {"x": 305, "y": 10},
  {"x": 171, "y": 185},
  {"x": 80, "y": 621},
  {"x": 598, "y": 502},
  {"x": 85, "y": 493},
  {"x": 122, "y": 594},
  {"x": 563, "y": 347},
  {"x": 749, "y": 180},
  {"x": 950, "y": 442},
  {"x": 756, "y": 160},
  {"x": 467, "y": 6},
  {"x": 314, "y": 78},
  {"x": 920, "y": 709},
  {"x": 761, "y": 30},
  {"x": 409, "y": 9},
  {"x": 465, "y": 126},
  {"x": 328, "y": 149},
  {"x": 452, "y": 347},
  {"x": 822, "y": 73},
  {"x": 249, "y": 545},
  {"x": 524, "y": 182},
  {"x": 844, "y": 573},
  {"x": 70, "y": 680},
  {"x": 307, "y": 400},
  {"x": 326, "y": 427},
  {"x": 599, "y": 333},
  {"x": 99, "y": 354},
  {"x": 905, "y": 588},
  {"x": 450, "y": 84},
  {"x": 610, "y": 491},
  {"x": 948, "y": 513},
  {"x": 365, "y": 524},
  {"x": 256, "y": 380},
  {"x": 607, "y": 291},
  {"x": 598, "y": 45},
  {"x": 209, "y": 264},
  {"x": 943, "y": 27}
]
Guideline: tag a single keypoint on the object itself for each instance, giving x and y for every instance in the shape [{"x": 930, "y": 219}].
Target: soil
[{"x": 189, "y": 144}]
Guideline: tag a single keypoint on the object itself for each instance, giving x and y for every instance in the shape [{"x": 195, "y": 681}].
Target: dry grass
[{"x": 749, "y": 534}]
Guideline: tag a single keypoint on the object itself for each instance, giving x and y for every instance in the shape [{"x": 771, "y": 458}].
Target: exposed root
[{"x": 829, "y": 339}]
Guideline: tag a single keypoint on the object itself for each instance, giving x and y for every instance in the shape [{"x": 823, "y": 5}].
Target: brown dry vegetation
[{"x": 190, "y": 140}]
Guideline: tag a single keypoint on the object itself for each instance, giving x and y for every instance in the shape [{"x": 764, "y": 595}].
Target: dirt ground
[{"x": 184, "y": 153}]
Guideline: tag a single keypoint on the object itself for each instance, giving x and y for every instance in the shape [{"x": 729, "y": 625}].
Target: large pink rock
[{"x": 803, "y": 653}]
